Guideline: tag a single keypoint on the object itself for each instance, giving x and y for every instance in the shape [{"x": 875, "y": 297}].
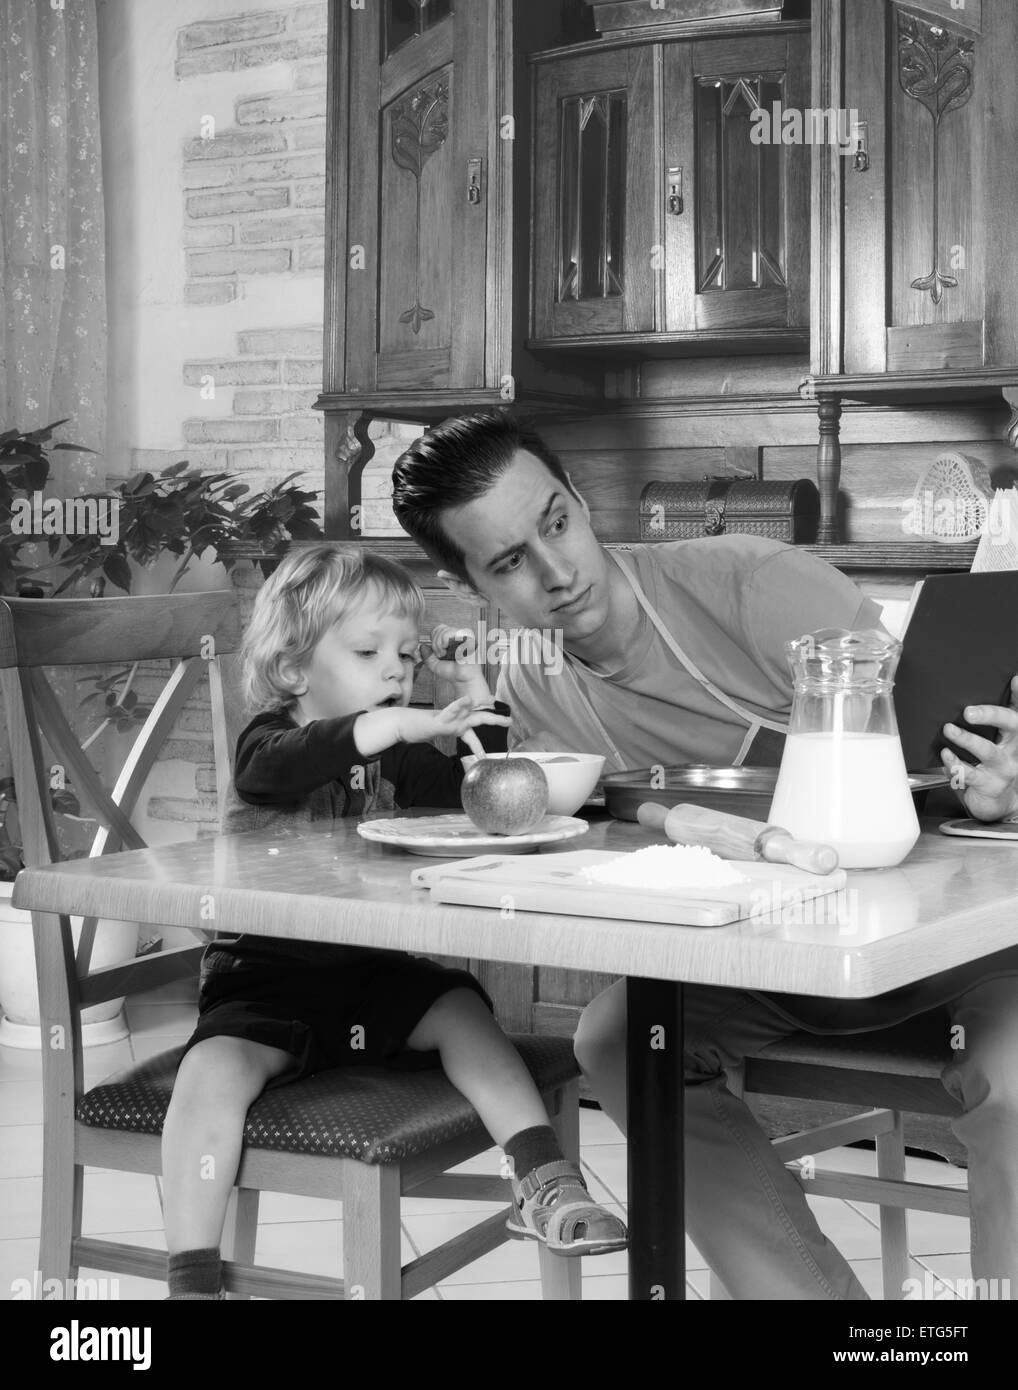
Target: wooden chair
[
  {"x": 362, "y": 1137},
  {"x": 891, "y": 1073}
]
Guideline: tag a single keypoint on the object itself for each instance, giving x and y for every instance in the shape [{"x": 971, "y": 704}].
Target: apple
[{"x": 505, "y": 796}]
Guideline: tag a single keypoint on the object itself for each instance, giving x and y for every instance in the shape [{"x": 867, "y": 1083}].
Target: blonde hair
[{"x": 311, "y": 589}]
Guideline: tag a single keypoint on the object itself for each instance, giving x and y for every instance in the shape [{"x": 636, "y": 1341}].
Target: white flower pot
[{"x": 19, "y": 993}]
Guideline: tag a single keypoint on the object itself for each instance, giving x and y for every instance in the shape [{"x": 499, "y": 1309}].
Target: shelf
[
  {"x": 431, "y": 407},
  {"x": 897, "y": 555},
  {"x": 860, "y": 555},
  {"x": 974, "y": 383},
  {"x": 734, "y": 342}
]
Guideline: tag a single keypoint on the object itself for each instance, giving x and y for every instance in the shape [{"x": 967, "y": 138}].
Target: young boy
[{"x": 329, "y": 660}]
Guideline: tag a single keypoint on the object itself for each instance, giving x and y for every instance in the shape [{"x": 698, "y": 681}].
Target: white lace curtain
[{"x": 52, "y": 229}]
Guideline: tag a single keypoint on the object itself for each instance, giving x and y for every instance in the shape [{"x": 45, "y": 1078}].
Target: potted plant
[
  {"x": 184, "y": 513},
  {"x": 180, "y": 512},
  {"x": 24, "y": 472},
  {"x": 114, "y": 941}
]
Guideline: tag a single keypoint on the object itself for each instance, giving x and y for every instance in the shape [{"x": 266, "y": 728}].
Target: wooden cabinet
[
  {"x": 915, "y": 240},
  {"x": 595, "y": 195},
  {"x": 427, "y": 212},
  {"x": 930, "y": 235},
  {"x": 670, "y": 214},
  {"x": 427, "y": 153}
]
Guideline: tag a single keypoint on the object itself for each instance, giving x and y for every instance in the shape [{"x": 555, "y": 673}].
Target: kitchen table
[{"x": 952, "y": 901}]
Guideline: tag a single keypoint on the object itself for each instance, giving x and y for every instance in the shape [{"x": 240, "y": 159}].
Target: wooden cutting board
[{"x": 555, "y": 883}]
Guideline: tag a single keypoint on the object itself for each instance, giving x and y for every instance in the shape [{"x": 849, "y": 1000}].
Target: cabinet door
[
  {"x": 594, "y": 201},
  {"x": 929, "y": 230},
  {"x": 418, "y": 142},
  {"x": 737, "y": 184}
]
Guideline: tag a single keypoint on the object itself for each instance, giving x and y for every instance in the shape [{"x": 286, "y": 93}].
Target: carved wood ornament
[
  {"x": 935, "y": 69},
  {"x": 420, "y": 125}
]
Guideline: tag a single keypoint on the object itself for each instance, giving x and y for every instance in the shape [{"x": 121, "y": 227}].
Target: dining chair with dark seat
[
  {"x": 362, "y": 1137},
  {"x": 894, "y": 1076}
]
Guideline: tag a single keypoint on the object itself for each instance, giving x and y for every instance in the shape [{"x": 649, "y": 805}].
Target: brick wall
[
  {"x": 252, "y": 195},
  {"x": 256, "y": 417}
]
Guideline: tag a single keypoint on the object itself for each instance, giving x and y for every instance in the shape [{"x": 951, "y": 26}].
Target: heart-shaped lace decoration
[{"x": 951, "y": 501}]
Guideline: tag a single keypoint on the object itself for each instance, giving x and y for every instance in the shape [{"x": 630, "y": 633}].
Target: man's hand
[
  {"x": 989, "y": 790},
  {"x": 451, "y": 655}
]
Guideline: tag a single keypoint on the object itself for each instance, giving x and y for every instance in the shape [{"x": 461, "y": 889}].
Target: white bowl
[{"x": 569, "y": 784}]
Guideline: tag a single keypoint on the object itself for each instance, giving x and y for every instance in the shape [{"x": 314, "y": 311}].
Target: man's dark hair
[{"x": 455, "y": 463}]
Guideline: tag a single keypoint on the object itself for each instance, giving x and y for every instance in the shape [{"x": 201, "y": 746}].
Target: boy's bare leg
[
  {"x": 202, "y": 1137},
  {"x": 550, "y": 1198},
  {"x": 481, "y": 1062}
]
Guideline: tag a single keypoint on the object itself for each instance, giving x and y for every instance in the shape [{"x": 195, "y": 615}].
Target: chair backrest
[{"x": 198, "y": 632}]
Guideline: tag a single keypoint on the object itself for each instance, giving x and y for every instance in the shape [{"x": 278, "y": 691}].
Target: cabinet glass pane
[
  {"x": 739, "y": 212},
  {"x": 592, "y": 173},
  {"x": 405, "y": 19}
]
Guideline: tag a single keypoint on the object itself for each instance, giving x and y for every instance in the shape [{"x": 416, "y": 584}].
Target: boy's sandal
[{"x": 551, "y": 1204}]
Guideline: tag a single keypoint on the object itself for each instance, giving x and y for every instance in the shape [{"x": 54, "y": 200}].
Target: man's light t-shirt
[{"x": 730, "y": 602}]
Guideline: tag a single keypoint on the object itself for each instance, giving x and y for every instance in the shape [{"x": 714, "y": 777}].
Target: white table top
[{"x": 951, "y": 902}]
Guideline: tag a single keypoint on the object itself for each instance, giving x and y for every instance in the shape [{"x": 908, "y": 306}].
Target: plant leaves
[
  {"x": 116, "y": 568},
  {"x": 36, "y": 474}
]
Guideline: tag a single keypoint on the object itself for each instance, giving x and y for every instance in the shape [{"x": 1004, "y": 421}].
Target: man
[{"x": 674, "y": 654}]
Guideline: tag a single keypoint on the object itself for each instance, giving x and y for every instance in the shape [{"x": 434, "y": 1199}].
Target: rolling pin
[{"x": 736, "y": 837}]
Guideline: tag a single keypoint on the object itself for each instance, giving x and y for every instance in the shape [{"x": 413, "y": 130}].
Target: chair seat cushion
[
  {"x": 366, "y": 1113},
  {"x": 917, "y": 1050},
  {"x": 931, "y": 1134},
  {"x": 920, "y": 1048}
]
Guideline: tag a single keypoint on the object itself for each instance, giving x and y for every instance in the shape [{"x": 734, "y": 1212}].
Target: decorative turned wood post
[
  {"x": 829, "y": 467},
  {"x": 1010, "y": 394},
  {"x": 347, "y": 450}
]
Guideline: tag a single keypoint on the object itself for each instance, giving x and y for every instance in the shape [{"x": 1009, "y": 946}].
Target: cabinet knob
[{"x": 676, "y": 202}]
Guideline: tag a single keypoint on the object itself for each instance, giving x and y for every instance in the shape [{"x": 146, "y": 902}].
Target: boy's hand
[
  {"x": 422, "y": 725},
  {"x": 989, "y": 790}
]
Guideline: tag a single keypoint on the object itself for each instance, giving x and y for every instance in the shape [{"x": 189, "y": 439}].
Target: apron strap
[
  {"x": 592, "y": 715},
  {"x": 756, "y": 722}
]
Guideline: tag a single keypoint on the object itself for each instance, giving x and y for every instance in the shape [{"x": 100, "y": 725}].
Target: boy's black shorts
[{"x": 328, "y": 1006}]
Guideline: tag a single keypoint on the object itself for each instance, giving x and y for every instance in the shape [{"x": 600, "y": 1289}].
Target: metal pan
[{"x": 741, "y": 791}]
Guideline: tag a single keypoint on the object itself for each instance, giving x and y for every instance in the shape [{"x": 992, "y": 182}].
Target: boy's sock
[
  {"x": 194, "y": 1272},
  {"x": 530, "y": 1148}
]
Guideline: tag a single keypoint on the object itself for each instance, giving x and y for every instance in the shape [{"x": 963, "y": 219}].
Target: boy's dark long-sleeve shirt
[
  {"x": 280, "y": 764},
  {"x": 287, "y": 776}
]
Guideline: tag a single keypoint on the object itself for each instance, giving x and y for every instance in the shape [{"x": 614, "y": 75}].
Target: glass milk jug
[{"x": 842, "y": 779}]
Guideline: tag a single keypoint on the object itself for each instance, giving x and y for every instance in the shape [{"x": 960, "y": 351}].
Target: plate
[
  {"x": 457, "y": 837},
  {"x": 741, "y": 791},
  {"x": 981, "y": 829}
]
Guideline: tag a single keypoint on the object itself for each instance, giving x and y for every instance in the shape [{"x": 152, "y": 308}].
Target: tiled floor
[{"x": 305, "y": 1233}]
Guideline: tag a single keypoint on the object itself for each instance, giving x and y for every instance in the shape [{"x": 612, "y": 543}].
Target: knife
[{"x": 737, "y": 837}]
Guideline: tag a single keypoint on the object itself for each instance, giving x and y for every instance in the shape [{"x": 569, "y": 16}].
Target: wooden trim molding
[
  {"x": 1010, "y": 394},
  {"x": 826, "y": 249}
]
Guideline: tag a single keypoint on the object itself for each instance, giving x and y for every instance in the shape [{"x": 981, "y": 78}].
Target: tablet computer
[{"x": 960, "y": 648}]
